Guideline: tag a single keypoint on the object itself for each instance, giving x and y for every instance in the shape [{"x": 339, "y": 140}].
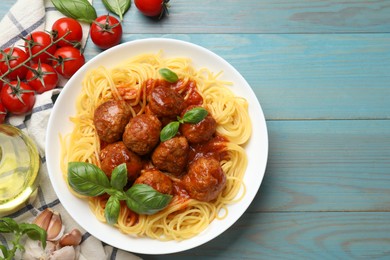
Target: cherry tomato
[
  {"x": 42, "y": 77},
  {"x": 17, "y": 97},
  {"x": 152, "y": 7},
  {"x": 68, "y": 60},
  {"x": 106, "y": 31},
  {"x": 10, "y": 58},
  {"x": 36, "y": 42},
  {"x": 67, "y": 25},
  {"x": 3, "y": 113}
]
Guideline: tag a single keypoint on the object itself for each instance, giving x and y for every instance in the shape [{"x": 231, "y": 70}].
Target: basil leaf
[
  {"x": 168, "y": 75},
  {"x": 5, "y": 252},
  {"x": 119, "y": 7},
  {"x": 8, "y": 225},
  {"x": 119, "y": 177},
  {"x": 143, "y": 199},
  {"x": 80, "y": 10},
  {"x": 112, "y": 210},
  {"x": 169, "y": 131},
  {"x": 195, "y": 115},
  {"x": 34, "y": 232},
  {"x": 87, "y": 179}
]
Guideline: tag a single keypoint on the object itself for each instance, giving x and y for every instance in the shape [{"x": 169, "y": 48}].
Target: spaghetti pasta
[{"x": 184, "y": 217}]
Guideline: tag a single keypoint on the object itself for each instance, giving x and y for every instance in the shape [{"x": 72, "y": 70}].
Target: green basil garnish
[
  {"x": 8, "y": 225},
  {"x": 192, "y": 116},
  {"x": 195, "y": 115},
  {"x": 143, "y": 199},
  {"x": 80, "y": 10},
  {"x": 119, "y": 177},
  {"x": 168, "y": 75},
  {"x": 87, "y": 179},
  {"x": 169, "y": 131},
  {"x": 119, "y": 7},
  {"x": 34, "y": 232},
  {"x": 16, "y": 236},
  {"x": 112, "y": 210}
]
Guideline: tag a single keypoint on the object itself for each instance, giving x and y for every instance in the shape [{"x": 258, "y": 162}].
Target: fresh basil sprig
[
  {"x": 169, "y": 131},
  {"x": 112, "y": 210},
  {"x": 192, "y": 116},
  {"x": 89, "y": 180},
  {"x": 145, "y": 199},
  {"x": 168, "y": 75},
  {"x": 33, "y": 231},
  {"x": 80, "y": 10},
  {"x": 119, "y": 7}
]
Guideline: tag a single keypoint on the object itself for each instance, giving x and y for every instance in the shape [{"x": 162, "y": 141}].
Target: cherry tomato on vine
[
  {"x": 17, "y": 97},
  {"x": 42, "y": 77},
  {"x": 68, "y": 60},
  {"x": 152, "y": 7},
  {"x": 10, "y": 58},
  {"x": 36, "y": 42},
  {"x": 3, "y": 113},
  {"x": 106, "y": 31},
  {"x": 67, "y": 25}
]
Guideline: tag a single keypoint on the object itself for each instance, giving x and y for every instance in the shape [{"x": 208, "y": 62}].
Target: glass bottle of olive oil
[{"x": 19, "y": 166}]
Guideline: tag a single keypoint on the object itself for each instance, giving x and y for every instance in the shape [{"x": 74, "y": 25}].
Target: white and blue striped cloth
[{"x": 23, "y": 18}]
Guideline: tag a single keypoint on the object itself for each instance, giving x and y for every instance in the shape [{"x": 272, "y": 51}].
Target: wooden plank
[
  {"x": 306, "y": 76},
  {"x": 326, "y": 166},
  {"x": 263, "y": 16},
  {"x": 308, "y": 235},
  {"x": 257, "y": 16}
]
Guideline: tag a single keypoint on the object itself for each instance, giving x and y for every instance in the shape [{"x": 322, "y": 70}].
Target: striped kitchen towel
[{"x": 24, "y": 17}]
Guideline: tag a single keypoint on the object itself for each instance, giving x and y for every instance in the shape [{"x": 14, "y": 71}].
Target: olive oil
[{"x": 19, "y": 166}]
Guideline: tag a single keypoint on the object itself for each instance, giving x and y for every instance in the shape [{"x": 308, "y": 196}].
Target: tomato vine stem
[{"x": 24, "y": 63}]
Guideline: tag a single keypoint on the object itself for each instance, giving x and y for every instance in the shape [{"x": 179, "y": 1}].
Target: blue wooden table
[{"x": 321, "y": 71}]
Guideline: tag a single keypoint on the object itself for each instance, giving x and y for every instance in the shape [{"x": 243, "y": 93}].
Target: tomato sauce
[{"x": 216, "y": 147}]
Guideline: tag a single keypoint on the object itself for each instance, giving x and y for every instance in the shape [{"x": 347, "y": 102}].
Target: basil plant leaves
[
  {"x": 89, "y": 180},
  {"x": 192, "y": 116}
]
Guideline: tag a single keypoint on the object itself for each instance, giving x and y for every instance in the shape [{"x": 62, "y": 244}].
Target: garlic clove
[
  {"x": 50, "y": 221},
  {"x": 55, "y": 230},
  {"x": 43, "y": 219},
  {"x": 71, "y": 239}
]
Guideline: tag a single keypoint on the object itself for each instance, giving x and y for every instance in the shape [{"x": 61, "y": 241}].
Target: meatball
[
  {"x": 117, "y": 153},
  {"x": 205, "y": 179},
  {"x": 110, "y": 119},
  {"x": 171, "y": 155},
  {"x": 200, "y": 132},
  {"x": 142, "y": 133},
  {"x": 165, "y": 102},
  {"x": 157, "y": 180}
]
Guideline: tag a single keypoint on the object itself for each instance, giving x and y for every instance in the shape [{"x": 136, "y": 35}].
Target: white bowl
[{"x": 256, "y": 148}]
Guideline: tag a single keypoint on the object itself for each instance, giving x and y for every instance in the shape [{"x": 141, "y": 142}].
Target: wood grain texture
[
  {"x": 331, "y": 165},
  {"x": 258, "y": 16},
  {"x": 308, "y": 235},
  {"x": 263, "y": 16}
]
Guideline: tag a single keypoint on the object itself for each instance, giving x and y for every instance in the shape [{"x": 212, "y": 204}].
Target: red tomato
[
  {"x": 152, "y": 7},
  {"x": 14, "y": 56},
  {"x": 3, "y": 113},
  {"x": 106, "y": 31},
  {"x": 17, "y": 97},
  {"x": 68, "y": 60},
  {"x": 67, "y": 25},
  {"x": 42, "y": 77},
  {"x": 36, "y": 42}
]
